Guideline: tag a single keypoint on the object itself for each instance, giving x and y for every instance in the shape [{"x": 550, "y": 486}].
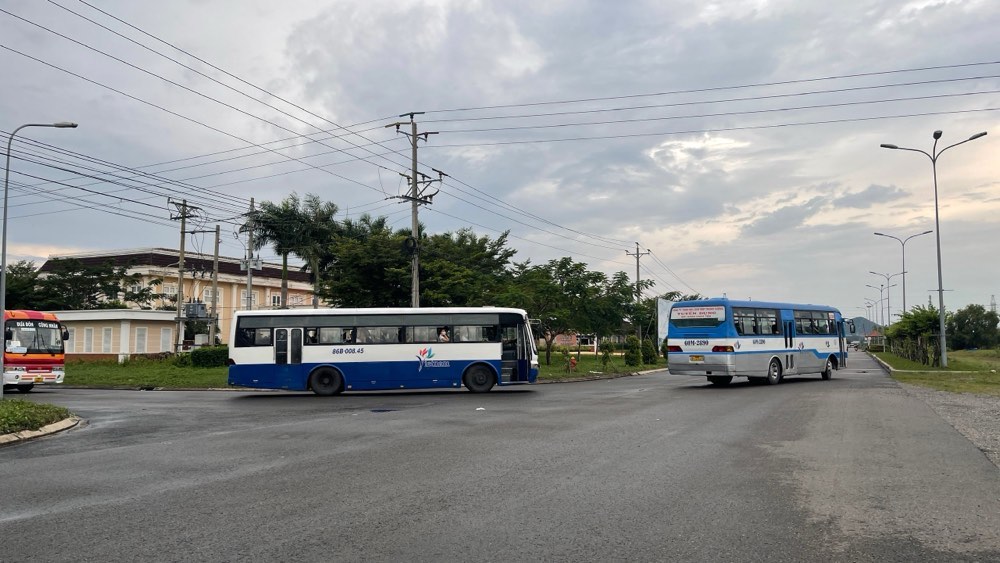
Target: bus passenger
[{"x": 443, "y": 334}]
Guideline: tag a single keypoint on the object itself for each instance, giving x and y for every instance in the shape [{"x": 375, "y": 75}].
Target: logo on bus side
[{"x": 424, "y": 357}]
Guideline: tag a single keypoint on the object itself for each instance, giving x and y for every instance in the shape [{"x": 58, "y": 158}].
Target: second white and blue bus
[
  {"x": 329, "y": 351},
  {"x": 764, "y": 341}
]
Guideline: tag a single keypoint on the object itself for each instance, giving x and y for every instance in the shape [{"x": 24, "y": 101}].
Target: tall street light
[
  {"x": 888, "y": 294},
  {"x": 880, "y": 316},
  {"x": 902, "y": 243},
  {"x": 3, "y": 245},
  {"x": 933, "y": 155}
]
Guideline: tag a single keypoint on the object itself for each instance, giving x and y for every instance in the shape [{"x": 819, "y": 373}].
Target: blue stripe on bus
[{"x": 361, "y": 375}]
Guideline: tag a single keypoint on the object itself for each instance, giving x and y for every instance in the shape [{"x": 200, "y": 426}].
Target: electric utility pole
[
  {"x": 416, "y": 198},
  {"x": 250, "y": 264},
  {"x": 638, "y": 290},
  {"x": 213, "y": 318},
  {"x": 184, "y": 209}
]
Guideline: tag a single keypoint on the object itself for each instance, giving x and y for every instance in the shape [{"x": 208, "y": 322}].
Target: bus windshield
[
  {"x": 703, "y": 317},
  {"x": 30, "y": 336}
]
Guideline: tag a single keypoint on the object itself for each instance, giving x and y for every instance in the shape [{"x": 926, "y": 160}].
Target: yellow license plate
[
  {"x": 39, "y": 379},
  {"x": 698, "y": 358}
]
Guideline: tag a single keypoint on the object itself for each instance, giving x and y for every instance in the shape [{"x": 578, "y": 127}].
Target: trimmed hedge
[{"x": 210, "y": 357}]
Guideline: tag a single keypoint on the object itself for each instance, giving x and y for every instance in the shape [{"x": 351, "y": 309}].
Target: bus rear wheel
[
  {"x": 774, "y": 372},
  {"x": 720, "y": 379},
  {"x": 479, "y": 379},
  {"x": 326, "y": 382},
  {"x": 828, "y": 372}
]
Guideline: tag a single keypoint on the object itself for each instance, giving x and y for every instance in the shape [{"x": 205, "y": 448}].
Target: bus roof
[
  {"x": 26, "y": 314},
  {"x": 724, "y": 301},
  {"x": 382, "y": 311}
]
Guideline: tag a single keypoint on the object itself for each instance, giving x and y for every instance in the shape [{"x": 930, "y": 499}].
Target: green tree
[
  {"x": 22, "y": 285},
  {"x": 603, "y": 312},
  {"x": 71, "y": 285},
  {"x": 633, "y": 355},
  {"x": 913, "y": 336},
  {"x": 973, "y": 327},
  {"x": 460, "y": 269},
  {"x": 317, "y": 231},
  {"x": 648, "y": 351},
  {"x": 365, "y": 266},
  {"x": 556, "y": 293},
  {"x": 280, "y": 226}
]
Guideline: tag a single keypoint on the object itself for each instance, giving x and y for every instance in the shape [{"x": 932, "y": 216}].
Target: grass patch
[
  {"x": 142, "y": 372},
  {"x": 968, "y": 371},
  {"x": 588, "y": 365},
  {"x": 17, "y": 415}
]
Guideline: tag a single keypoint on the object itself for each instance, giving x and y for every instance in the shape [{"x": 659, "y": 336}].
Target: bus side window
[{"x": 262, "y": 337}]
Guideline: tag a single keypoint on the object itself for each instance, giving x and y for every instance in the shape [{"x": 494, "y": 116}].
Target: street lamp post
[
  {"x": 933, "y": 155},
  {"x": 888, "y": 294},
  {"x": 880, "y": 315},
  {"x": 902, "y": 243},
  {"x": 3, "y": 245}
]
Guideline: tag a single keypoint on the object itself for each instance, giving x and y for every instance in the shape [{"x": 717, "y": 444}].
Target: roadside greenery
[
  {"x": 17, "y": 415},
  {"x": 968, "y": 371},
  {"x": 169, "y": 373}
]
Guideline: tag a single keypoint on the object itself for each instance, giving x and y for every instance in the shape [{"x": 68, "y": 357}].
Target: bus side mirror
[
  {"x": 850, "y": 326},
  {"x": 65, "y": 335}
]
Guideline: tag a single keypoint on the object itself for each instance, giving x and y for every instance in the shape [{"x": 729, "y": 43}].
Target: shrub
[
  {"x": 210, "y": 357},
  {"x": 633, "y": 355},
  {"x": 182, "y": 360},
  {"x": 648, "y": 352}
]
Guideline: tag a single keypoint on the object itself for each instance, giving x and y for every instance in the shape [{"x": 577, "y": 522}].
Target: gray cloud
[
  {"x": 784, "y": 218},
  {"x": 870, "y": 196}
]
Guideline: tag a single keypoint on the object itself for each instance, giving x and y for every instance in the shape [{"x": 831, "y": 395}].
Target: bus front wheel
[
  {"x": 828, "y": 372},
  {"x": 26, "y": 388},
  {"x": 326, "y": 382},
  {"x": 774, "y": 372},
  {"x": 479, "y": 379}
]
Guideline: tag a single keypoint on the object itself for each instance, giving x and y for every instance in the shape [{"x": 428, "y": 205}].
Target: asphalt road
[{"x": 647, "y": 468}]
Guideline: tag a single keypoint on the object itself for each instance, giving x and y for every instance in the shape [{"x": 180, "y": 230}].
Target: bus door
[
  {"x": 791, "y": 345},
  {"x": 842, "y": 342},
  {"x": 514, "y": 356},
  {"x": 287, "y": 354}
]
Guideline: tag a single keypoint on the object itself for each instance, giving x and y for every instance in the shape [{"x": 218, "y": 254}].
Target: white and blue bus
[
  {"x": 722, "y": 339},
  {"x": 333, "y": 350}
]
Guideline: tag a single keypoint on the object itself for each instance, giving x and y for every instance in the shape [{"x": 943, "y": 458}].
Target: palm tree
[
  {"x": 280, "y": 226},
  {"x": 318, "y": 230}
]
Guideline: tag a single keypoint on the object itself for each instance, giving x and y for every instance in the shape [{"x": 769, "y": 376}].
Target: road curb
[{"x": 47, "y": 430}]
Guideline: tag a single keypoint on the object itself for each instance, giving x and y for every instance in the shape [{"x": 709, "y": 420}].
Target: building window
[
  {"x": 208, "y": 297},
  {"x": 166, "y": 339},
  {"x": 294, "y": 300},
  {"x": 276, "y": 300},
  {"x": 140, "y": 340},
  {"x": 170, "y": 289},
  {"x": 243, "y": 298},
  {"x": 88, "y": 340},
  {"x": 106, "y": 336},
  {"x": 71, "y": 343}
]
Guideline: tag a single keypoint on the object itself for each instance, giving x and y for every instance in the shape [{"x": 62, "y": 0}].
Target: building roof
[{"x": 167, "y": 258}]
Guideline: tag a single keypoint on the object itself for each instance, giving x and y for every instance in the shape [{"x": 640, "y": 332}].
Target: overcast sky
[{"x": 738, "y": 142}]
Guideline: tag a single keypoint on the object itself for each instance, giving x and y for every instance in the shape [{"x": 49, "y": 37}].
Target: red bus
[{"x": 33, "y": 351}]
